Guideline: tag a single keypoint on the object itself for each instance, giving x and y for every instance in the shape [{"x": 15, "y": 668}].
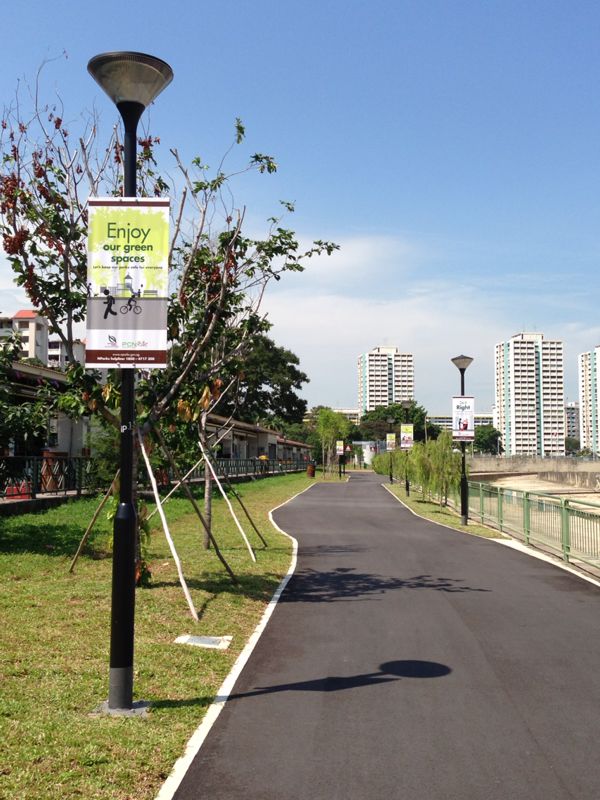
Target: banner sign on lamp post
[
  {"x": 127, "y": 282},
  {"x": 407, "y": 436},
  {"x": 339, "y": 447},
  {"x": 463, "y": 419},
  {"x": 390, "y": 441}
]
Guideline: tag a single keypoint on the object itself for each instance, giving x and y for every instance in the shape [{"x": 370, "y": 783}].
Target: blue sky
[{"x": 450, "y": 147}]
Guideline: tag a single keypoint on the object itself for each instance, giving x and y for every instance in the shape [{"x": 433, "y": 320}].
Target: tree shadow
[
  {"x": 345, "y": 583},
  {"x": 252, "y": 586},
  {"x": 47, "y": 538},
  {"x": 330, "y": 550}
]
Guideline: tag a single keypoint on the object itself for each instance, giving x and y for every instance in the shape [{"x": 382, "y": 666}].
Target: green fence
[{"x": 568, "y": 527}]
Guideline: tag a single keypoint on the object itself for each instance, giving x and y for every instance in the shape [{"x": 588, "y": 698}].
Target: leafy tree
[
  {"x": 445, "y": 467},
  {"x": 374, "y": 424},
  {"x": 23, "y": 421},
  {"x": 572, "y": 445},
  {"x": 357, "y": 453},
  {"x": 296, "y": 431},
  {"x": 487, "y": 440},
  {"x": 267, "y": 381},
  {"x": 219, "y": 274},
  {"x": 330, "y": 427},
  {"x": 433, "y": 465},
  {"x": 421, "y": 465},
  {"x": 403, "y": 467}
]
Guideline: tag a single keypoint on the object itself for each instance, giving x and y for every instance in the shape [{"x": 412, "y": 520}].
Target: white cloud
[
  {"x": 328, "y": 331},
  {"x": 363, "y": 264},
  {"x": 388, "y": 290}
]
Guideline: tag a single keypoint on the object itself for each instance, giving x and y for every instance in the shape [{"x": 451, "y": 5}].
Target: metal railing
[
  {"x": 27, "y": 477},
  {"x": 568, "y": 527},
  {"x": 251, "y": 467}
]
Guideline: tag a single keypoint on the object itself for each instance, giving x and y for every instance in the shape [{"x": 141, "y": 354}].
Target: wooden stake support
[
  {"x": 93, "y": 522},
  {"x": 166, "y": 528},
  {"x": 224, "y": 493}
]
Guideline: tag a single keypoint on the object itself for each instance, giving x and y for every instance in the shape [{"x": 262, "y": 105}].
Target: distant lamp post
[
  {"x": 132, "y": 81},
  {"x": 406, "y": 405},
  {"x": 390, "y": 422},
  {"x": 462, "y": 363}
]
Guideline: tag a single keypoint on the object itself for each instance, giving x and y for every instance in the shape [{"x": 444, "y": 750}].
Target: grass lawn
[
  {"x": 54, "y": 643},
  {"x": 442, "y": 514}
]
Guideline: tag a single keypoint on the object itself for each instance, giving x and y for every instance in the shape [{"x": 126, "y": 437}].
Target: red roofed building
[{"x": 34, "y": 334}]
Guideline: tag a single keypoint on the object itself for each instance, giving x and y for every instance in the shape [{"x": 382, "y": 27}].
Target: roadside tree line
[{"x": 433, "y": 466}]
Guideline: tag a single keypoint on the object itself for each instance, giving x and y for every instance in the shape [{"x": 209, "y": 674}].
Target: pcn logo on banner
[{"x": 112, "y": 341}]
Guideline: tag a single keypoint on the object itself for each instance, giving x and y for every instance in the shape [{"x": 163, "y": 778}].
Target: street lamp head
[
  {"x": 406, "y": 403},
  {"x": 390, "y": 420},
  {"x": 462, "y": 362},
  {"x": 128, "y": 77}
]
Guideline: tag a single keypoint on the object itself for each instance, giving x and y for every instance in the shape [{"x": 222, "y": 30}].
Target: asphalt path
[{"x": 405, "y": 660}]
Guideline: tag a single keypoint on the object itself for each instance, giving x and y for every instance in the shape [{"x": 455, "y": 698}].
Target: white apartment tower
[
  {"x": 385, "y": 376},
  {"x": 530, "y": 405},
  {"x": 589, "y": 395}
]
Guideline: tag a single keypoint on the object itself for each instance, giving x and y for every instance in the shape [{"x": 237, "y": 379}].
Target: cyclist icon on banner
[{"x": 132, "y": 304}]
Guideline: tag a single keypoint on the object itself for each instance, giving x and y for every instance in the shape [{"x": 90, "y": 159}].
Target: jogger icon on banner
[{"x": 109, "y": 303}]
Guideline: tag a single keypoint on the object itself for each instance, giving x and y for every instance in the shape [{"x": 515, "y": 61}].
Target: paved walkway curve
[{"x": 409, "y": 661}]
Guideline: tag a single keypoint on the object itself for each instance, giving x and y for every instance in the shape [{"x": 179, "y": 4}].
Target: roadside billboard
[{"x": 127, "y": 282}]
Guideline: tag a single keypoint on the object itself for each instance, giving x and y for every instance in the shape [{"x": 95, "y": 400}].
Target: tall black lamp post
[
  {"x": 461, "y": 363},
  {"x": 390, "y": 422},
  {"x": 132, "y": 81}
]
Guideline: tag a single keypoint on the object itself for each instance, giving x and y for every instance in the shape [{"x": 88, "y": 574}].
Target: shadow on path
[
  {"x": 344, "y": 583},
  {"x": 389, "y": 671}
]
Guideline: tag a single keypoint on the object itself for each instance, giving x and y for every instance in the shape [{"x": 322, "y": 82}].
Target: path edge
[
  {"x": 509, "y": 541},
  {"x": 195, "y": 742}
]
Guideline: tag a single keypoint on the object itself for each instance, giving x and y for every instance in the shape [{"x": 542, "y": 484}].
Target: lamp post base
[{"x": 138, "y": 709}]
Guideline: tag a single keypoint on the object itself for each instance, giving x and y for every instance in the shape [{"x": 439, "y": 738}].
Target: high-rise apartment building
[
  {"x": 385, "y": 376},
  {"x": 572, "y": 423},
  {"x": 530, "y": 406},
  {"x": 589, "y": 395}
]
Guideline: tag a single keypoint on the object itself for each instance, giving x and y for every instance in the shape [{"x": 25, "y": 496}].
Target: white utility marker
[{"x": 211, "y": 642}]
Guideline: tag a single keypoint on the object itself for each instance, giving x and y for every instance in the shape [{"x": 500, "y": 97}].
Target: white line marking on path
[
  {"x": 514, "y": 544},
  {"x": 196, "y": 741}
]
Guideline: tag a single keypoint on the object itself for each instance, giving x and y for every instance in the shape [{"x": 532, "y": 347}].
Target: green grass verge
[
  {"x": 55, "y": 638},
  {"x": 442, "y": 514}
]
